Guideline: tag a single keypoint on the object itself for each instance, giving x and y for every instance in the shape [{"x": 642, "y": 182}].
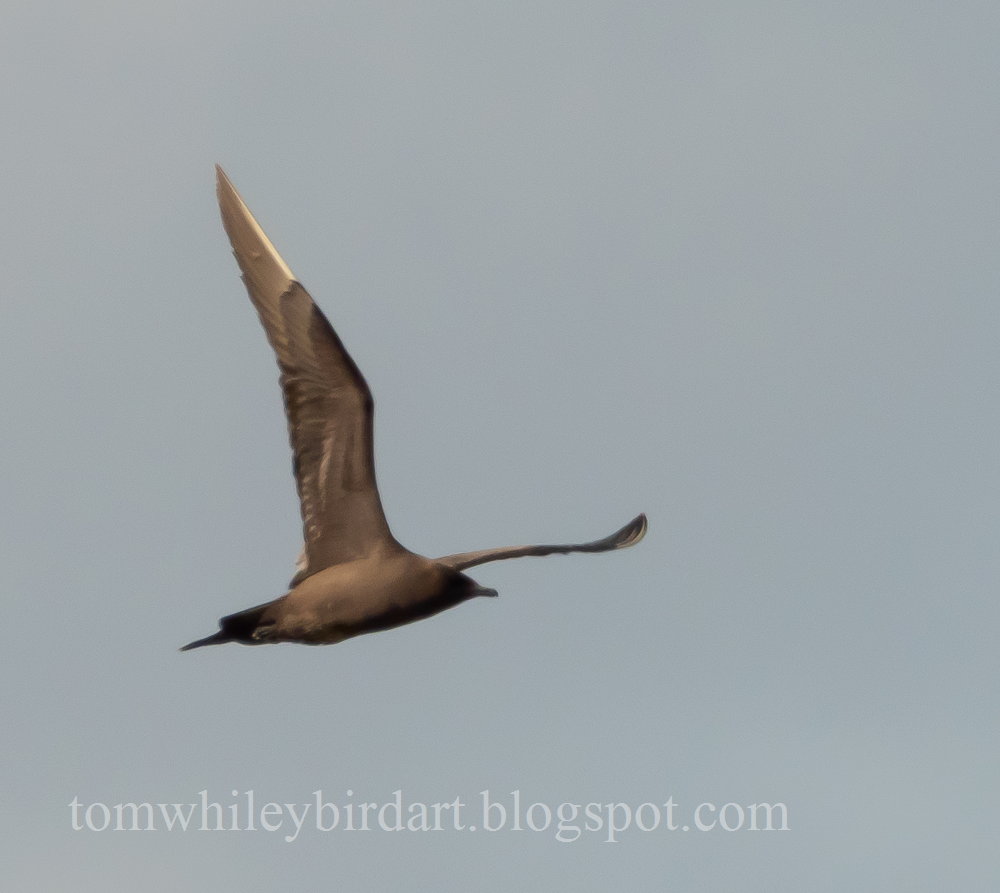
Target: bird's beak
[{"x": 482, "y": 590}]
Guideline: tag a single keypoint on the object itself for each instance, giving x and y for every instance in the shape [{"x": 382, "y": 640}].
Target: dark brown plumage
[{"x": 352, "y": 577}]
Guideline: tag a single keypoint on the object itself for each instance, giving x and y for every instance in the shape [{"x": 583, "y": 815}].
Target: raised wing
[
  {"x": 629, "y": 535},
  {"x": 327, "y": 402}
]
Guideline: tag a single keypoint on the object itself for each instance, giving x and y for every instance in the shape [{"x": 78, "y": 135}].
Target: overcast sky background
[{"x": 734, "y": 265}]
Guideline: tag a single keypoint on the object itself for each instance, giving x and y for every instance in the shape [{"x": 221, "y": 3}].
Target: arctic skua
[{"x": 352, "y": 576}]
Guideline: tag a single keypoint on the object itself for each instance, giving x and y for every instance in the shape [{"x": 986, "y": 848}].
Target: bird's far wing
[
  {"x": 327, "y": 402},
  {"x": 629, "y": 535}
]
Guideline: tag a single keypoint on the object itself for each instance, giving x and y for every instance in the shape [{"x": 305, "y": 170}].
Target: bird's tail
[
  {"x": 239, "y": 627},
  {"x": 215, "y": 639}
]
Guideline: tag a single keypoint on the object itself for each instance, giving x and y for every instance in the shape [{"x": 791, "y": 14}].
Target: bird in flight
[{"x": 352, "y": 576}]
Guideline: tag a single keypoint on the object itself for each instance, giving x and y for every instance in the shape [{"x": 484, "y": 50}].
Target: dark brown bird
[{"x": 352, "y": 576}]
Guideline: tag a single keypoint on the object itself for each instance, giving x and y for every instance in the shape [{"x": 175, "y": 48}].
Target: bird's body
[
  {"x": 365, "y": 595},
  {"x": 353, "y": 576}
]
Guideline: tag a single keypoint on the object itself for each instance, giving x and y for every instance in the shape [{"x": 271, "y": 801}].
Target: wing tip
[
  {"x": 632, "y": 532},
  {"x": 222, "y": 181},
  {"x": 250, "y": 242},
  {"x": 226, "y": 191}
]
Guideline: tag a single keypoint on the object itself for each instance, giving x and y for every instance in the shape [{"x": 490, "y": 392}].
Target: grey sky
[{"x": 734, "y": 265}]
